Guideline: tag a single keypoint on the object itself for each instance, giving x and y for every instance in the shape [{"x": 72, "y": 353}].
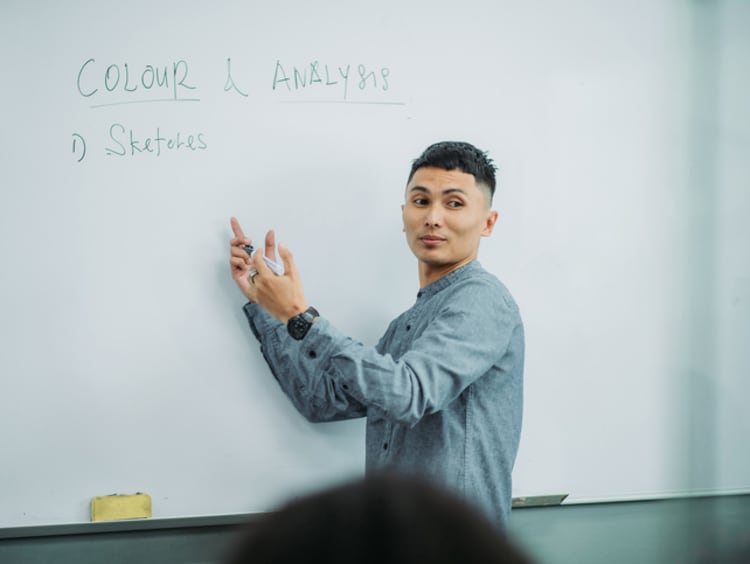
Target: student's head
[
  {"x": 382, "y": 519},
  {"x": 447, "y": 207}
]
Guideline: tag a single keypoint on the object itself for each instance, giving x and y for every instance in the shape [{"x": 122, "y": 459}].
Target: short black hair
[
  {"x": 452, "y": 155},
  {"x": 383, "y": 518}
]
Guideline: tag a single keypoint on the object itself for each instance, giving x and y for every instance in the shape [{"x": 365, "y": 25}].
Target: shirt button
[
  {"x": 408, "y": 327},
  {"x": 312, "y": 354},
  {"x": 385, "y": 446}
]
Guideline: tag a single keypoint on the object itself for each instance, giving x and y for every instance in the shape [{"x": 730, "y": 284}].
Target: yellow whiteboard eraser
[{"x": 115, "y": 507}]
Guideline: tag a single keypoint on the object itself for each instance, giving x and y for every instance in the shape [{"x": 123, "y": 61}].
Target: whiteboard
[{"x": 131, "y": 134}]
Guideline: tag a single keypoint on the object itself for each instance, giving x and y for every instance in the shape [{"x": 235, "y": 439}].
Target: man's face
[{"x": 445, "y": 215}]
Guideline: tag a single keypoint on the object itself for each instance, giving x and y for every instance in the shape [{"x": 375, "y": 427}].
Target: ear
[
  {"x": 490, "y": 222},
  {"x": 403, "y": 227}
]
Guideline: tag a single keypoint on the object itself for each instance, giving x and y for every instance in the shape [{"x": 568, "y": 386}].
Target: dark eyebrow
[
  {"x": 444, "y": 193},
  {"x": 452, "y": 190}
]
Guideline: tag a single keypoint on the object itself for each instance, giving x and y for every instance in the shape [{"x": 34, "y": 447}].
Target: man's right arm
[
  {"x": 276, "y": 345},
  {"x": 281, "y": 353},
  {"x": 463, "y": 341}
]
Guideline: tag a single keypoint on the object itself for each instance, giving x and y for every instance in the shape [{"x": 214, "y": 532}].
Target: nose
[{"x": 433, "y": 217}]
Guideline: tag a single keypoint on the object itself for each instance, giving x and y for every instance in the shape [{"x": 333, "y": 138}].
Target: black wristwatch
[{"x": 299, "y": 325}]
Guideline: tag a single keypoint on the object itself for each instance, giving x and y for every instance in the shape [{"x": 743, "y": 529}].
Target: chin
[{"x": 433, "y": 260}]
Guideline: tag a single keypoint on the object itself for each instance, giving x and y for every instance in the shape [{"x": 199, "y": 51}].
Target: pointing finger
[{"x": 238, "y": 233}]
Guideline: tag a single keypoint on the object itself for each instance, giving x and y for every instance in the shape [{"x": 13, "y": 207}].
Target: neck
[{"x": 432, "y": 273}]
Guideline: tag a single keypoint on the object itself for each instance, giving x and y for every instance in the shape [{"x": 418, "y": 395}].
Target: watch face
[{"x": 299, "y": 325}]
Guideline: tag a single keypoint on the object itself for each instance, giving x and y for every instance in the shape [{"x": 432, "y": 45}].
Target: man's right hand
[
  {"x": 282, "y": 296},
  {"x": 239, "y": 260}
]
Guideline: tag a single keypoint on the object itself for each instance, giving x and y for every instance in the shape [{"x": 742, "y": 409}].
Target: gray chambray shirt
[{"x": 442, "y": 391}]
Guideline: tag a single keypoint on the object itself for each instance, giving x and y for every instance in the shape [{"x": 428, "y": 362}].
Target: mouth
[{"x": 431, "y": 239}]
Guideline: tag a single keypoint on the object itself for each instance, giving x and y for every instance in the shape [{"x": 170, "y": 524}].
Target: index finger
[{"x": 236, "y": 228}]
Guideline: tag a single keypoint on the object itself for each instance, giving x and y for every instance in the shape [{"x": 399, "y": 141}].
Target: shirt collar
[{"x": 458, "y": 274}]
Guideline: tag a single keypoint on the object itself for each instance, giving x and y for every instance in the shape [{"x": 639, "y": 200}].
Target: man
[{"x": 442, "y": 389}]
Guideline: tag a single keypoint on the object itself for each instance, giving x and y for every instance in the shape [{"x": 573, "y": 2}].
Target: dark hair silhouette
[{"x": 383, "y": 519}]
